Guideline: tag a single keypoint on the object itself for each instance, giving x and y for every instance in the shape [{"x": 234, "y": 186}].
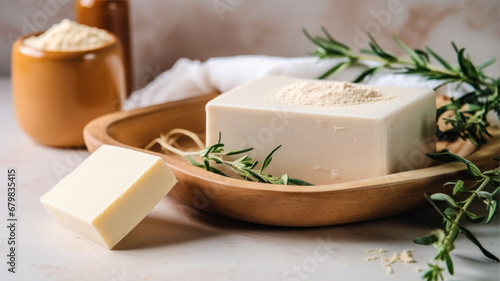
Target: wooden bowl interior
[{"x": 150, "y": 124}]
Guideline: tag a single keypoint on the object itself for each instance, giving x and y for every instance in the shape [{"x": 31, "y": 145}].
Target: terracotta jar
[
  {"x": 113, "y": 16},
  {"x": 57, "y": 93}
]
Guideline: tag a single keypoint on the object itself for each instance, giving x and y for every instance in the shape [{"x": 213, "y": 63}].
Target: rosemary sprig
[
  {"x": 443, "y": 239},
  {"x": 243, "y": 166},
  {"x": 469, "y": 120}
]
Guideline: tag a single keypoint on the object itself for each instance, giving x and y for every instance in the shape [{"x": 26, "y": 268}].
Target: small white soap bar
[
  {"x": 325, "y": 145},
  {"x": 110, "y": 192}
]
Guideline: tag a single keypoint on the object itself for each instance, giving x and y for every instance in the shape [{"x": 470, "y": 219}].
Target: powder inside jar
[
  {"x": 331, "y": 94},
  {"x": 69, "y": 36}
]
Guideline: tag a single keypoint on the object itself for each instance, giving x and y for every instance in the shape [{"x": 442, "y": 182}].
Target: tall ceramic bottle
[{"x": 114, "y": 16}]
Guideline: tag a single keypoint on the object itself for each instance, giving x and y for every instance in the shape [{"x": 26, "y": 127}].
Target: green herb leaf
[
  {"x": 474, "y": 171},
  {"x": 459, "y": 187},
  {"x": 216, "y": 160},
  {"x": 492, "y": 207},
  {"x": 484, "y": 195},
  {"x": 380, "y": 51},
  {"x": 413, "y": 54},
  {"x": 323, "y": 29},
  {"x": 206, "y": 164},
  {"x": 293, "y": 181},
  {"x": 476, "y": 242},
  {"x": 466, "y": 66},
  {"x": 426, "y": 239},
  {"x": 336, "y": 69},
  {"x": 285, "y": 179},
  {"x": 368, "y": 73},
  {"x": 217, "y": 171},
  {"x": 442, "y": 61},
  {"x": 449, "y": 264},
  {"x": 437, "y": 208},
  {"x": 219, "y": 138},
  {"x": 494, "y": 175},
  {"x": 473, "y": 217},
  {"x": 446, "y": 156},
  {"x": 193, "y": 162},
  {"x": 486, "y": 64},
  {"x": 496, "y": 192},
  {"x": 444, "y": 197},
  {"x": 236, "y": 152},
  {"x": 425, "y": 56},
  {"x": 268, "y": 159}
]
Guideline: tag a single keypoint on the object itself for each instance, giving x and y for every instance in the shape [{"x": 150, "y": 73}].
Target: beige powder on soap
[
  {"x": 331, "y": 94},
  {"x": 69, "y": 36}
]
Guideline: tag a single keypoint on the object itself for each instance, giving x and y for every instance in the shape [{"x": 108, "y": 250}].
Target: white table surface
[{"x": 176, "y": 242}]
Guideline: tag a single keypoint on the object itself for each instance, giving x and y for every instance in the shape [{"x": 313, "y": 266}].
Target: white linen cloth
[{"x": 190, "y": 78}]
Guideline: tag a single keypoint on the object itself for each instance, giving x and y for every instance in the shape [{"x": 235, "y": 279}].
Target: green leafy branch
[
  {"x": 443, "y": 239},
  {"x": 469, "y": 118},
  {"x": 243, "y": 166}
]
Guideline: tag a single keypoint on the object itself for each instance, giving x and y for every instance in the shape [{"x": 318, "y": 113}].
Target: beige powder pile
[
  {"x": 379, "y": 254},
  {"x": 69, "y": 36},
  {"x": 331, "y": 94}
]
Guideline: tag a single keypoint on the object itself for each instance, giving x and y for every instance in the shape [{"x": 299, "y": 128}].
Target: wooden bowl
[{"x": 297, "y": 206}]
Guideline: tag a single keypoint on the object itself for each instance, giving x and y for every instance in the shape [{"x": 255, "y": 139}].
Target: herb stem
[
  {"x": 403, "y": 63},
  {"x": 379, "y": 59},
  {"x": 431, "y": 67},
  {"x": 192, "y": 153},
  {"x": 393, "y": 64},
  {"x": 469, "y": 200},
  {"x": 485, "y": 182}
]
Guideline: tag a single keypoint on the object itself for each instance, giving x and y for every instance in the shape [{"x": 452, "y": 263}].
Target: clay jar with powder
[{"x": 56, "y": 93}]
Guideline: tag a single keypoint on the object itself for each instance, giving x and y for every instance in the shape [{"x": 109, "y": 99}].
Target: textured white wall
[{"x": 165, "y": 30}]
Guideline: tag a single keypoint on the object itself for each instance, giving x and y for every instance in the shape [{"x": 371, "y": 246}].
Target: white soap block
[
  {"x": 110, "y": 192},
  {"x": 325, "y": 145}
]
